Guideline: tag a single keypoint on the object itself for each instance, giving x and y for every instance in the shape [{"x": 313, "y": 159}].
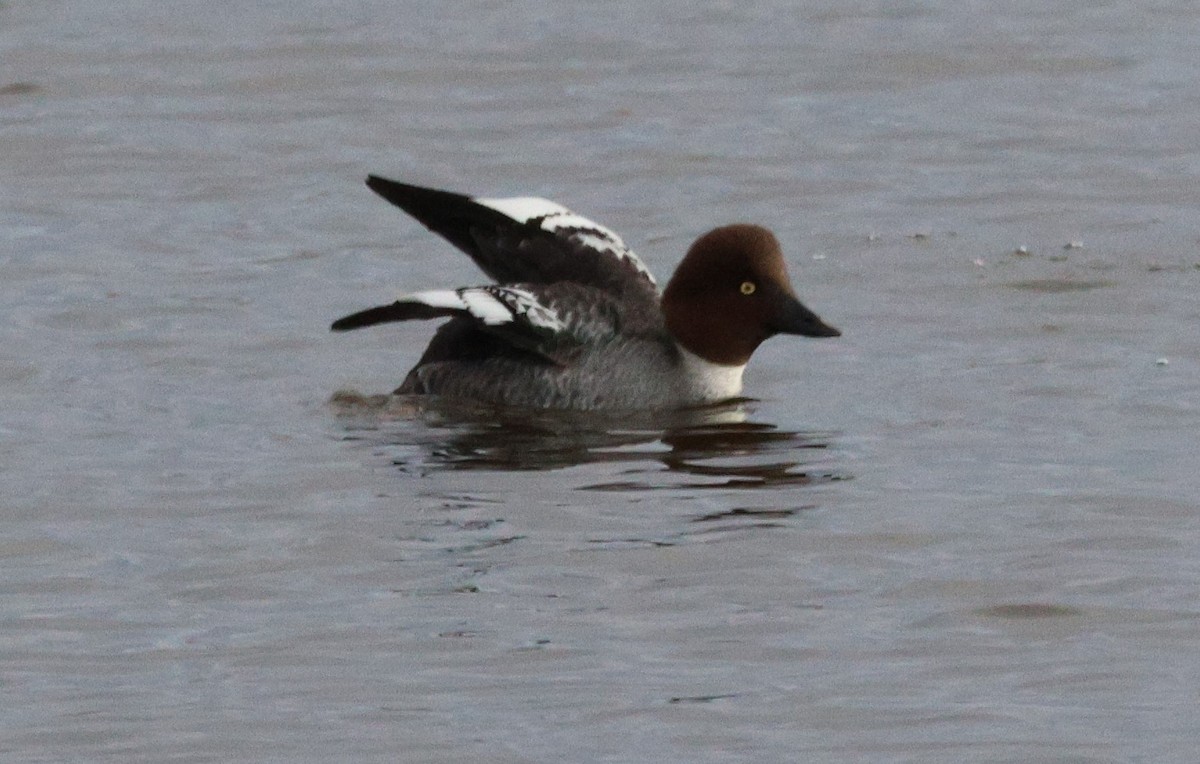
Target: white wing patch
[
  {"x": 493, "y": 305},
  {"x": 437, "y": 298},
  {"x": 555, "y": 218},
  {"x": 486, "y": 307},
  {"x": 524, "y": 208},
  {"x": 525, "y": 305}
]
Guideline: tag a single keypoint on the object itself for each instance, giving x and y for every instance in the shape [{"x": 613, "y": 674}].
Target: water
[{"x": 966, "y": 530}]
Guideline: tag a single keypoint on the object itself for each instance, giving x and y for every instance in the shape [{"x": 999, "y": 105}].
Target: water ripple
[{"x": 714, "y": 447}]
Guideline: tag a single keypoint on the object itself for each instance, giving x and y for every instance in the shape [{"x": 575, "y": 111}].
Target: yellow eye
[{"x": 748, "y": 287}]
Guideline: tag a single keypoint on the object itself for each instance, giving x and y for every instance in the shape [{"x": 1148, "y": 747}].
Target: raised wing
[
  {"x": 514, "y": 314},
  {"x": 525, "y": 239}
]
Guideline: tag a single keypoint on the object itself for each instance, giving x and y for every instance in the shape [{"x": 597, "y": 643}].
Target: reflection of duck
[
  {"x": 576, "y": 321},
  {"x": 713, "y": 446}
]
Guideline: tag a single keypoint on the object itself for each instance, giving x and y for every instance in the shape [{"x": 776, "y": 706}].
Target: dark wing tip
[
  {"x": 407, "y": 196},
  {"x": 394, "y": 191},
  {"x": 368, "y": 317},
  {"x": 447, "y": 213},
  {"x": 400, "y": 310},
  {"x": 375, "y": 182}
]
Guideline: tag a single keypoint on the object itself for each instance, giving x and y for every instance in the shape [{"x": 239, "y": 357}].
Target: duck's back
[{"x": 609, "y": 354}]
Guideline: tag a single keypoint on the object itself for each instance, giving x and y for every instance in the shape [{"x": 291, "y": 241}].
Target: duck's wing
[
  {"x": 526, "y": 239},
  {"x": 518, "y": 316}
]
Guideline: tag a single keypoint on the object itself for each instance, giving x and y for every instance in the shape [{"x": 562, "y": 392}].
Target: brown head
[{"x": 731, "y": 292}]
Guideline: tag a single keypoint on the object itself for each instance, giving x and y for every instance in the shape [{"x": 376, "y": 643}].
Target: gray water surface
[{"x": 967, "y": 530}]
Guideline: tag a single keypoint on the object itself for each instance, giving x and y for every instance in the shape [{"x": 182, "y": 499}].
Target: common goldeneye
[{"x": 575, "y": 319}]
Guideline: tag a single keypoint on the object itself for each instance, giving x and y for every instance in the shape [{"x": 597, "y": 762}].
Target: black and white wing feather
[
  {"x": 514, "y": 314},
  {"x": 525, "y": 239}
]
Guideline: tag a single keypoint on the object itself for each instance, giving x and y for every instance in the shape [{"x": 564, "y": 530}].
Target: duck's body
[{"x": 576, "y": 320}]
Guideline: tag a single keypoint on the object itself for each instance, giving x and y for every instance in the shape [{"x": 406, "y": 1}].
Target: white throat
[{"x": 711, "y": 381}]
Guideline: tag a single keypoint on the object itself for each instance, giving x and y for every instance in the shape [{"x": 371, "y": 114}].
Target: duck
[{"x": 573, "y": 319}]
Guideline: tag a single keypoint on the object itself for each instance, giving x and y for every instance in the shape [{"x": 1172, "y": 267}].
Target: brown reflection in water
[
  {"x": 717, "y": 452},
  {"x": 713, "y": 447},
  {"x": 740, "y": 518}
]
